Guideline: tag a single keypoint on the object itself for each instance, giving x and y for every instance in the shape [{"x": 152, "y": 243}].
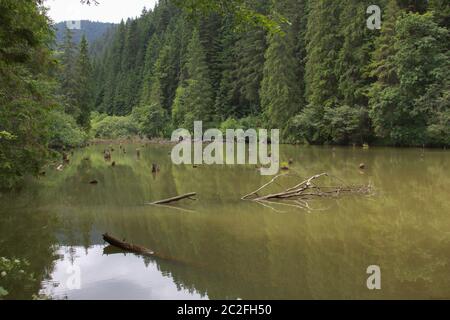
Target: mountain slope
[{"x": 92, "y": 30}]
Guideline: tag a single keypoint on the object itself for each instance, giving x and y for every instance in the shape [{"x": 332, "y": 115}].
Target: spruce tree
[
  {"x": 150, "y": 59},
  {"x": 198, "y": 94},
  {"x": 84, "y": 86},
  {"x": 280, "y": 94},
  {"x": 68, "y": 72}
]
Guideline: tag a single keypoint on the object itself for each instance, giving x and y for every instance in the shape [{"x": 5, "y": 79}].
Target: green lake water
[{"x": 220, "y": 247}]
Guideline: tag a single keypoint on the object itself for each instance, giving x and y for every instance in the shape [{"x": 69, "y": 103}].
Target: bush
[
  {"x": 112, "y": 127},
  {"x": 230, "y": 123},
  {"x": 151, "y": 120},
  {"x": 15, "y": 276},
  {"x": 249, "y": 122},
  {"x": 64, "y": 131}
]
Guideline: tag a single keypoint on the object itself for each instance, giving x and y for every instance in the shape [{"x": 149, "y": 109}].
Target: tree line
[
  {"x": 308, "y": 67},
  {"x": 45, "y": 94},
  {"x": 318, "y": 74}
]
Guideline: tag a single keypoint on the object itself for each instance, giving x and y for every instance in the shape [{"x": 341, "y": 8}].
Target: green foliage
[
  {"x": 409, "y": 105},
  {"x": 151, "y": 120},
  {"x": 64, "y": 131},
  {"x": 15, "y": 276},
  {"x": 179, "y": 110},
  {"x": 280, "y": 90},
  {"x": 83, "y": 85},
  {"x": 230, "y": 123},
  {"x": 312, "y": 69},
  {"x": 25, "y": 90},
  {"x": 75, "y": 77},
  {"x": 244, "y": 123},
  {"x": 244, "y": 12},
  {"x": 112, "y": 127},
  {"x": 197, "y": 96}
]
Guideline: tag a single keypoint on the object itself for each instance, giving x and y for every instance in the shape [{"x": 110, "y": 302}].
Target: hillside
[
  {"x": 325, "y": 78},
  {"x": 92, "y": 30}
]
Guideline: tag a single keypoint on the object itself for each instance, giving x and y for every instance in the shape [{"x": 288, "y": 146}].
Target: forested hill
[
  {"x": 92, "y": 30},
  {"x": 324, "y": 78},
  {"x": 311, "y": 68}
]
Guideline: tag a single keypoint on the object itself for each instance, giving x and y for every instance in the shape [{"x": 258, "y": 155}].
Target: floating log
[
  {"x": 127, "y": 246},
  {"x": 93, "y": 182},
  {"x": 178, "y": 198}
]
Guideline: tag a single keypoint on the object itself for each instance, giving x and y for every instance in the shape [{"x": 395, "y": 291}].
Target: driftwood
[
  {"x": 299, "y": 195},
  {"x": 128, "y": 247},
  {"x": 174, "y": 199}
]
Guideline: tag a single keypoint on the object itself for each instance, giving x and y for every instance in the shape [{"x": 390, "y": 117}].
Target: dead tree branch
[{"x": 299, "y": 195}]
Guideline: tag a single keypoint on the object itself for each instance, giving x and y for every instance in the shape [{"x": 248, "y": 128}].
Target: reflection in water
[
  {"x": 117, "y": 276},
  {"x": 227, "y": 248}
]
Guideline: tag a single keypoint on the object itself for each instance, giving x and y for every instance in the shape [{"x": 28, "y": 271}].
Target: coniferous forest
[
  {"x": 323, "y": 77},
  {"x": 311, "y": 68},
  {"x": 97, "y": 203}
]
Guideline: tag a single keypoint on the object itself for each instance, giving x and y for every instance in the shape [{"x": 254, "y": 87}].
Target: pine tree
[
  {"x": 84, "y": 85},
  {"x": 67, "y": 74},
  {"x": 322, "y": 53},
  {"x": 248, "y": 71},
  {"x": 151, "y": 56},
  {"x": 227, "y": 96},
  {"x": 280, "y": 94},
  {"x": 198, "y": 94},
  {"x": 384, "y": 69},
  {"x": 114, "y": 71}
]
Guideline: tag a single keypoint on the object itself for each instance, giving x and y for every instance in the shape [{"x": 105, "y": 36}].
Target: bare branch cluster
[{"x": 302, "y": 193}]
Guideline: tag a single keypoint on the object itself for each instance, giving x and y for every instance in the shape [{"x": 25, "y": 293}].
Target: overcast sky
[{"x": 106, "y": 11}]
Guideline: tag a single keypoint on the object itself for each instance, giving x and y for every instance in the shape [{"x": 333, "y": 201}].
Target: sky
[{"x": 106, "y": 11}]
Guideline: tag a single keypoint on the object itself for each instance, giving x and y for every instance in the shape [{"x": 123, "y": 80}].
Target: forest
[{"x": 310, "y": 68}]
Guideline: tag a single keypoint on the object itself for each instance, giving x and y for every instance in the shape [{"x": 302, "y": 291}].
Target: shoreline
[{"x": 163, "y": 141}]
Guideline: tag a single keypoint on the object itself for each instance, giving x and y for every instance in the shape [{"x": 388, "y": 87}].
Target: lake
[{"x": 221, "y": 247}]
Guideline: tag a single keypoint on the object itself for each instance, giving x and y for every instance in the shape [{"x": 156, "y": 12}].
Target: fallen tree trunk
[
  {"x": 178, "y": 198},
  {"x": 128, "y": 247}
]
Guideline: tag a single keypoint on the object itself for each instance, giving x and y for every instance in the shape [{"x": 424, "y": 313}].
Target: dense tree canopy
[
  {"x": 311, "y": 68},
  {"x": 322, "y": 77}
]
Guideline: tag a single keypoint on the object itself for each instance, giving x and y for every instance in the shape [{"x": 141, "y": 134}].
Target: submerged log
[
  {"x": 178, "y": 198},
  {"x": 127, "y": 246}
]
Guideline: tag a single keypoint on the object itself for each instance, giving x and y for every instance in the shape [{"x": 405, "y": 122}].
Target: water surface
[{"x": 221, "y": 247}]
